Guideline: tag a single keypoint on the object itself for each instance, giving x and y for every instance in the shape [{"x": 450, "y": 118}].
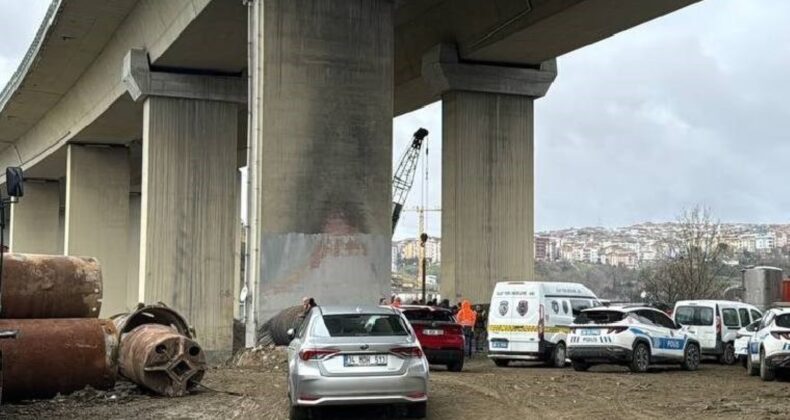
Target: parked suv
[
  {"x": 343, "y": 355},
  {"x": 636, "y": 336},
  {"x": 716, "y": 324},
  {"x": 769, "y": 347},
  {"x": 441, "y": 337}
]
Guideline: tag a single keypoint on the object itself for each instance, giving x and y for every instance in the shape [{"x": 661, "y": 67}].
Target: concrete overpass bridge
[{"x": 132, "y": 117}]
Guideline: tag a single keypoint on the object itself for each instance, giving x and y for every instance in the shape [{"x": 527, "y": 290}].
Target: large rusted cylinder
[
  {"x": 152, "y": 314},
  {"x": 50, "y": 286},
  {"x": 50, "y": 356},
  {"x": 161, "y": 359}
]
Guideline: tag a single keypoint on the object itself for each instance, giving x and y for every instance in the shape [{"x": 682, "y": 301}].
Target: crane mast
[{"x": 403, "y": 179}]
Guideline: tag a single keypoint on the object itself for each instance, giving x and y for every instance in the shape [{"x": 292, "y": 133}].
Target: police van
[
  {"x": 716, "y": 324},
  {"x": 529, "y": 320}
]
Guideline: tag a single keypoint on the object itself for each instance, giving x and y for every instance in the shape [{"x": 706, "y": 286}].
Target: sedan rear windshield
[
  {"x": 694, "y": 315},
  {"x": 599, "y": 317},
  {"x": 364, "y": 325},
  {"x": 427, "y": 315},
  {"x": 783, "y": 321}
]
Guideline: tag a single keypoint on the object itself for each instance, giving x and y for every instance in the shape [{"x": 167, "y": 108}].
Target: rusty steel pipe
[
  {"x": 161, "y": 359},
  {"x": 50, "y": 356},
  {"x": 152, "y": 314},
  {"x": 50, "y": 286}
]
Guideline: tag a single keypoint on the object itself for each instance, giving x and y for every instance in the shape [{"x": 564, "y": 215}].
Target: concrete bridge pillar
[
  {"x": 97, "y": 215},
  {"x": 322, "y": 103},
  {"x": 34, "y": 226},
  {"x": 487, "y": 170},
  {"x": 188, "y": 209}
]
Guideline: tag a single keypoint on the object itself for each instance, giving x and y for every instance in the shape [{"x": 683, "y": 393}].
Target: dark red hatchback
[{"x": 441, "y": 337}]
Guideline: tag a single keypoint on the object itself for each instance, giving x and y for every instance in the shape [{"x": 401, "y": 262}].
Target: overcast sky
[{"x": 688, "y": 109}]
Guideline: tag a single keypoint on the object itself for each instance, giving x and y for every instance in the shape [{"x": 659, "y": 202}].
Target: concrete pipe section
[
  {"x": 161, "y": 359},
  {"x": 51, "y": 356},
  {"x": 50, "y": 286}
]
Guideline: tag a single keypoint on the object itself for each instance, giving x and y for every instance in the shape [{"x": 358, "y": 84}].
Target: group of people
[{"x": 472, "y": 320}]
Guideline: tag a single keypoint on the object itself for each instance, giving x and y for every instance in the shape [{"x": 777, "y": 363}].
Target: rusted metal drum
[
  {"x": 50, "y": 286},
  {"x": 50, "y": 356},
  {"x": 161, "y": 359}
]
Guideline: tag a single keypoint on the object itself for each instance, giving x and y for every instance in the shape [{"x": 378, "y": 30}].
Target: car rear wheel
[
  {"x": 751, "y": 368},
  {"x": 298, "y": 413},
  {"x": 417, "y": 410},
  {"x": 766, "y": 372},
  {"x": 502, "y": 362},
  {"x": 691, "y": 357},
  {"x": 456, "y": 366},
  {"x": 728, "y": 357},
  {"x": 580, "y": 366},
  {"x": 641, "y": 358},
  {"x": 558, "y": 356}
]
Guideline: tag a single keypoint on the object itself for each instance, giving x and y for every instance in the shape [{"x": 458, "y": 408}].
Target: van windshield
[
  {"x": 599, "y": 317},
  {"x": 694, "y": 315}
]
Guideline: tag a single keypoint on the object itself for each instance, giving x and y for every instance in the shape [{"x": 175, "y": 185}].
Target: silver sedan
[{"x": 343, "y": 355}]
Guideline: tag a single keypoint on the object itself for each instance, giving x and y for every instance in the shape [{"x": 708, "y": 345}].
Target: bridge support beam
[
  {"x": 487, "y": 170},
  {"x": 322, "y": 105},
  {"x": 97, "y": 215},
  {"x": 188, "y": 210},
  {"x": 35, "y": 220}
]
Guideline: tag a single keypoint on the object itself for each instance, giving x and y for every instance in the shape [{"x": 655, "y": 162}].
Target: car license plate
[
  {"x": 499, "y": 344},
  {"x": 590, "y": 332},
  {"x": 589, "y": 339},
  {"x": 362, "y": 360},
  {"x": 433, "y": 332}
]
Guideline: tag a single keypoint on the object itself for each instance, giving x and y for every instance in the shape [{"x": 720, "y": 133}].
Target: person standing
[
  {"x": 467, "y": 317},
  {"x": 480, "y": 329}
]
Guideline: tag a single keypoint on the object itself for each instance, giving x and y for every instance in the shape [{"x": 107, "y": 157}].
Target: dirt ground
[{"x": 480, "y": 391}]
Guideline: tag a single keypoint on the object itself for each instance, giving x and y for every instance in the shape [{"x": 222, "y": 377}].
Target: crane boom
[{"x": 403, "y": 179}]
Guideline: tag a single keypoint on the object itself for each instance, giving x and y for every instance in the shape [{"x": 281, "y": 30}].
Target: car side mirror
[
  {"x": 291, "y": 333},
  {"x": 14, "y": 181}
]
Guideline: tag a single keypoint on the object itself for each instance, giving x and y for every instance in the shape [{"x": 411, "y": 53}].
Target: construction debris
[
  {"x": 264, "y": 358},
  {"x": 161, "y": 359},
  {"x": 51, "y": 356},
  {"x": 275, "y": 330},
  {"x": 50, "y": 286}
]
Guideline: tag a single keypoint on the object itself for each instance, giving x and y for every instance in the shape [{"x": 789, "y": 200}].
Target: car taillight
[
  {"x": 541, "y": 324},
  {"x": 783, "y": 335},
  {"x": 317, "y": 354},
  {"x": 616, "y": 330},
  {"x": 415, "y": 352},
  {"x": 454, "y": 330}
]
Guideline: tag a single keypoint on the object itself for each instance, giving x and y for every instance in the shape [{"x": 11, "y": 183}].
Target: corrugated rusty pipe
[
  {"x": 161, "y": 359},
  {"x": 50, "y": 286},
  {"x": 50, "y": 356}
]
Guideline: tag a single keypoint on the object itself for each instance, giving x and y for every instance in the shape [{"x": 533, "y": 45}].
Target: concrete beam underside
[
  {"x": 324, "y": 198},
  {"x": 34, "y": 226},
  {"x": 97, "y": 216},
  {"x": 487, "y": 192},
  {"x": 188, "y": 224}
]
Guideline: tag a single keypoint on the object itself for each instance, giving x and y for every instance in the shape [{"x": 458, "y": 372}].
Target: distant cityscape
[{"x": 630, "y": 246}]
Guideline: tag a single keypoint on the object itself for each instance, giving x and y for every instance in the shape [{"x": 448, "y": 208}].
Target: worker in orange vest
[{"x": 467, "y": 317}]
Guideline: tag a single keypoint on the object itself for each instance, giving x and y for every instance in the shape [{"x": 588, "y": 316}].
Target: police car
[
  {"x": 769, "y": 347},
  {"x": 636, "y": 336}
]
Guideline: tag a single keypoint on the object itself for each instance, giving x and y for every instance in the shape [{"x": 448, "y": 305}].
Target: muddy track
[{"x": 480, "y": 391}]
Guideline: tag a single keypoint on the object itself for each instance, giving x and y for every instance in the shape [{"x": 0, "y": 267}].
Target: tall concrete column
[
  {"x": 34, "y": 219},
  {"x": 487, "y": 170},
  {"x": 321, "y": 159},
  {"x": 189, "y": 199},
  {"x": 97, "y": 215},
  {"x": 188, "y": 223}
]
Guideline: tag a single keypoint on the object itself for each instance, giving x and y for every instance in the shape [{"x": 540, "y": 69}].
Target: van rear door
[
  {"x": 701, "y": 320},
  {"x": 513, "y": 320}
]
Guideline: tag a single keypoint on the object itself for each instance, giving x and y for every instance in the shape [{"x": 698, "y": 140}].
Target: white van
[
  {"x": 529, "y": 320},
  {"x": 716, "y": 323}
]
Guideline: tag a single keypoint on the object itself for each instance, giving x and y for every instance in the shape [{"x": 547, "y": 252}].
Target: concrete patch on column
[{"x": 334, "y": 269}]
